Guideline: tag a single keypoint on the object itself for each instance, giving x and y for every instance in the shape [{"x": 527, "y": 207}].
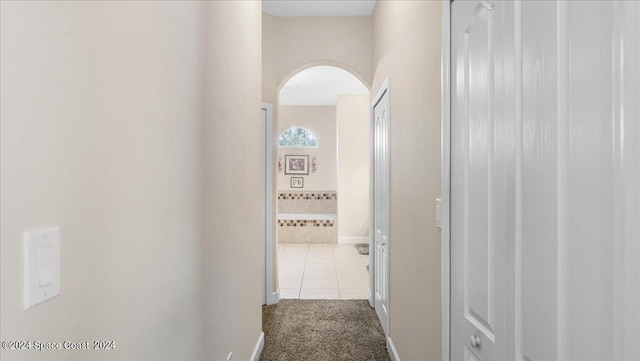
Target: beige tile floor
[{"x": 322, "y": 271}]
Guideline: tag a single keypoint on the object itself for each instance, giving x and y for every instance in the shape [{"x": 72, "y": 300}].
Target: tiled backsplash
[
  {"x": 308, "y": 229},
  {"x": 305, "y": 223},
  {"x": 309, "y": 202},
  {"x": 307, "y": 195}
]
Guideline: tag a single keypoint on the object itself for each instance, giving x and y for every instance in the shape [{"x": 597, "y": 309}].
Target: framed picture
[
  {"x": 296, "y": 164},
  {"x": 297, "y": 182}
]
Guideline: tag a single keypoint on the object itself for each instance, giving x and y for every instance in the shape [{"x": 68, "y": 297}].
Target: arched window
[{"x": 297, "y": 138}]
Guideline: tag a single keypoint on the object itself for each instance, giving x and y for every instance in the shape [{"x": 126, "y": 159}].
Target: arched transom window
[{"x": 297, "y": 138}]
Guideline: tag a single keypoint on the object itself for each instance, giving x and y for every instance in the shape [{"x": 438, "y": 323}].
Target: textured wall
[
  {"x": 233, "y": 159},
  {"x": 353, "y": 120},
  {"x": 117, "y": 122},
  {"x": 100, "y": 117},
  {"x": 407, "y": 48}
]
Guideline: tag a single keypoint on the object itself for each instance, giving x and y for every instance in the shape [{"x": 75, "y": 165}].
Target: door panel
[
  {"x": 477, "y": 190},
  {"x": 545, "y": 180},
  {"x": 538, "y": 197},
  {"x": 588, "y": 216},
  {"x": 478, "y": 55},
  {"x": 381, "y": 207}
]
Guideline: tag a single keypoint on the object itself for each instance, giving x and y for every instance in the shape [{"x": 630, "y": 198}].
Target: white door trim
[
  {"x": 269, "y": 296},
  {"x": 372, "y": 251},
  {"x": 384, "y": 88},
  {"x": 445, "y": 163}
]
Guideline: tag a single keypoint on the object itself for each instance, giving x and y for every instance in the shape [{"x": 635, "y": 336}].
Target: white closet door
[
  {"x": 545, "y": 192},
  {"x": 479, "y": 150},
  {"x": 577, "y": 184},
  {"x": 381, "y": 206}
]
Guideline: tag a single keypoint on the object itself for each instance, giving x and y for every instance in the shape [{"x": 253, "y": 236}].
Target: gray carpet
[{"x": 322, "y": 330}]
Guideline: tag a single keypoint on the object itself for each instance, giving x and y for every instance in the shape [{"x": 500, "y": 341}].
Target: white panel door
[
  {"x": 545, "y": 180},
  {"x": 479, "y": 150},
  {"x": 381, "y": 206},
  {"x": 577, "y": 239}
]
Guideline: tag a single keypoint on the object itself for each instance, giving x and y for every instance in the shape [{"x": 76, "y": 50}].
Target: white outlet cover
[
  {"x": 41, "y": 266},
  {"x": 438, "y": 212}
]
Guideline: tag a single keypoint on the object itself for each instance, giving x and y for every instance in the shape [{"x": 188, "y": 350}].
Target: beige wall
[
  {"x": 321, "y": 120},
  {"x": 100, "y": 117},
  {"x": 407, "y": 50},
  {"x": 270, "y": 59},
  {"x": 233, "y": 159},
  {"x": 109, "y": 131},
  {"x": 290, "y": 44},
  {"x": 352, "y": 113},
  {"x": 300, "y": 41}
]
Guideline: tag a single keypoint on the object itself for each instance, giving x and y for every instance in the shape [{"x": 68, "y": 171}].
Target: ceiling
[
  {"x": 320, "y": 85},
  {"x": 319, "y": 7}
]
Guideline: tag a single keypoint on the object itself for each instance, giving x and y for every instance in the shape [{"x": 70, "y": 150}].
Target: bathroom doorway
[{"x": 322, "y": 186}]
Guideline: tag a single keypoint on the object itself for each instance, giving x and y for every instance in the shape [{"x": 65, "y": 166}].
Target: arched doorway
[{"x": 322, "y": 187}]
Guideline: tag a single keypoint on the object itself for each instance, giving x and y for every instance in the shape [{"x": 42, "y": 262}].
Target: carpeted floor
[{"x": 322, "y": 330}]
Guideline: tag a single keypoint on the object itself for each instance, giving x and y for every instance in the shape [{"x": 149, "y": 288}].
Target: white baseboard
[
  {"x": 257, "y": 351},
  {"x": 275, "y": 298},
  {"x": 392, "y": 350},
  {"x": 352, "y": 240}
]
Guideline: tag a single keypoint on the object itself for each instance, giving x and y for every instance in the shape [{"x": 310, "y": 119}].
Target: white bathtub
[{"x": 307, "y": 216}]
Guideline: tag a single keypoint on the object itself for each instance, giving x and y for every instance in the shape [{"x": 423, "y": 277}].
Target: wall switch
[
  {"x": 41, "y": 266},
  {"x": 438, "y": 213},
  {"x": 229, "y": 357}
]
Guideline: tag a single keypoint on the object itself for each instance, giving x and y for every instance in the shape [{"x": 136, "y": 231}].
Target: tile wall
[{"x": 308, "y": 230}]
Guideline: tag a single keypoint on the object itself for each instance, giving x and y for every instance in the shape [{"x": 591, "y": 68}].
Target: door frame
[
  {"x": 268, "y": 297},
  {"x": 384, "y": 89},
  {"x": 445, "y": 174}
]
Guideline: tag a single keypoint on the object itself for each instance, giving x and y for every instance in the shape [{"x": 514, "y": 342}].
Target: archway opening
[{"x": 323, "y": 190}]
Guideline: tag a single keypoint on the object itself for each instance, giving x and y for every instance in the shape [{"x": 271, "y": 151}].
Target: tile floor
[{"x": 322, "y": 271}]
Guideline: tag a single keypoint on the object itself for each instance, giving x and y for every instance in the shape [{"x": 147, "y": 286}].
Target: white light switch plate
[
  {"x": 438, "y": 212},
  {"x": 41, "y": 266}
]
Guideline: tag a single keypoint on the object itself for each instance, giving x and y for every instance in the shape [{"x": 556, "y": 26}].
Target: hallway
[
  {"x": 133, "y": 131},
  {"x": 139, "y": 217},
  {"x": 322, "y": 330}
]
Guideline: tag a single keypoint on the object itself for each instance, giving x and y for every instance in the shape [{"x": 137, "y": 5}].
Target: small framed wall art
[
  {"x": 297, "y": 182},
  {"x": 296, "y": 164}
]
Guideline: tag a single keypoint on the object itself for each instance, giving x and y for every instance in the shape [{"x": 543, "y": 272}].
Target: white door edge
[
  {"x": 445, "y": 162},
  {"x": 270, "y": 297}
]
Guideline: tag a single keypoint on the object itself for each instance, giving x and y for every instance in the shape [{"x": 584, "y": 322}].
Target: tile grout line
[{"x": 304, "y": 271}]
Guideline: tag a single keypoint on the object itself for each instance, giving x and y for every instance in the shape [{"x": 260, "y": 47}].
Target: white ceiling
[
  {"x": 319, "y": 7},
  {"x": 321, "y": 85}
]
